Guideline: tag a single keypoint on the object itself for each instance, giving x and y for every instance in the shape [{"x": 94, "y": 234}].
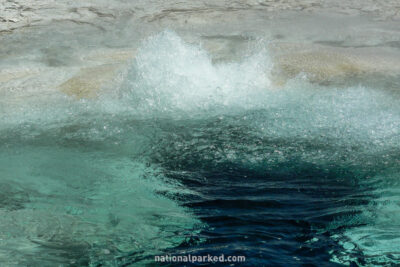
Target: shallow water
[{"x": 198, "y": 144}]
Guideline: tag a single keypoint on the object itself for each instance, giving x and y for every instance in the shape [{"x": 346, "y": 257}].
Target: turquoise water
[
  {"x": 191, "y": 156},
  {"x": 77, "y": 202}
]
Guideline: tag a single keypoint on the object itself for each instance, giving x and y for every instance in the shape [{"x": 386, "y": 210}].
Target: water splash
[{"x": 170, "y": 76}]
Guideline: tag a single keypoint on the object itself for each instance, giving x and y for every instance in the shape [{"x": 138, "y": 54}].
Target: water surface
[{"x": 120, "y": 146}]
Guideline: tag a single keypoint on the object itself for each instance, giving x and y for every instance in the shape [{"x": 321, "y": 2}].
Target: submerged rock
[
  {"x": 325, "y": 64},
  {"x": 6, "y": 76},
  {"x": 88, "y": 82}
]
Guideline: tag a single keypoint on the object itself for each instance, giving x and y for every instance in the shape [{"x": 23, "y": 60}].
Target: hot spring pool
[{"x": 176, "y": 146}]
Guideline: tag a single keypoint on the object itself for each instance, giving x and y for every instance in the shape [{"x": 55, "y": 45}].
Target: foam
[{"x": 171, "y": 76}]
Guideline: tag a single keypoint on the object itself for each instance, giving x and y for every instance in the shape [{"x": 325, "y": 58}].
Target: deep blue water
[{"x": 279, "y": 214}]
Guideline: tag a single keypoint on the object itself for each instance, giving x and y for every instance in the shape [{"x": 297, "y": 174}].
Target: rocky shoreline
[{"x": 17, "y": 14}]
